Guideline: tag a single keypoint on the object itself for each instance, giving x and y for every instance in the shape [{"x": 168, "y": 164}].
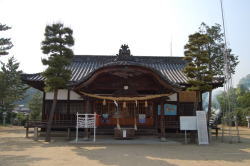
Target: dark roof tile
[{"x": 170, "y": 68}]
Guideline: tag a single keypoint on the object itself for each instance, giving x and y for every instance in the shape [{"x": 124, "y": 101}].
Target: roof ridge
[{"x": 143, "y": 56}]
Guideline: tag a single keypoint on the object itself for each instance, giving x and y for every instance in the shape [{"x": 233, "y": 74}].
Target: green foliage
[
  {"x": 57, "y": 43},
  {"x": 240, "y": 100},
  {"x": 11, "y": 86},
  {"x": 241, "y": 114},
  {"x": 198, "y": 60},
  {"x": 35, "y": 106},
  {"x": 20, "y": 119},
  {"x": 245, "y": 82},
  {"x": 216, "y": 49},
  {"x": 5, "y": 43}
]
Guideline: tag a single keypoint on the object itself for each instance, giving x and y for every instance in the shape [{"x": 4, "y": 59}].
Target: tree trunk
[
  {"x": 196, "y": 103},
  {"x": 209, "y": 107},
  {"x": 51, "y": 116}
]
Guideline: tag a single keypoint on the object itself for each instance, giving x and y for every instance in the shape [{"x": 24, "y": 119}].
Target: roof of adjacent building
[{"x": 82, "y": 66}]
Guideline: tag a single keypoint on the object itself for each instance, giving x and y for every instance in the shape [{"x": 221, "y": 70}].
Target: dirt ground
[{"x": 16, "y": 150}]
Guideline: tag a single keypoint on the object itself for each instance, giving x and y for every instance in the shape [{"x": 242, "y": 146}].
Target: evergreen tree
[
  {"x": 197, "y": 55},
  {"x": 57, "y": 43},
  {"x": 5, "y": 43},
  {"x": 11, "y": 86},
  {"x": 216, "y": 49}
]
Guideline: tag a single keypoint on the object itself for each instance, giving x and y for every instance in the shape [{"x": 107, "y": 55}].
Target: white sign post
[
  {"x": 202, "y": 127},
  {"x": 85, "y": 121},
  {"x": 188, "y": 123}
]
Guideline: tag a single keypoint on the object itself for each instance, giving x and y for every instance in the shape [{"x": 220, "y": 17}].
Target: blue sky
[{"x": 100, "y": 27}]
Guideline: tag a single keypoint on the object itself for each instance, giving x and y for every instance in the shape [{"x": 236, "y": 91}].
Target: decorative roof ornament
[{"x": 124, "y": 54}]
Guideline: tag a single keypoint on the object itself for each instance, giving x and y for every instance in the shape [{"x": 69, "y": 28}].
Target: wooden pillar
[
  {"x": 69, "y": 134},
  {"x": 87, "y": 110},
  {"x": 163, "y": 135},
  {"x": 44, "y": 116},
  {"x": 27, "y": 131},
  {"x": 178, "y": 111},
  {"x": 68, "y": 106},
  {"x": 93, "y": 107},
  {"x": 36, "y": 133},
  {"x": 43, "y": 107}
]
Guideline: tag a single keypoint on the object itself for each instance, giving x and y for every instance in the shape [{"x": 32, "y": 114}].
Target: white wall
[
  {"x": 75, "y": 96},
  {"x": 173, "y": 97},
  {"x": 63, "y": 95}
]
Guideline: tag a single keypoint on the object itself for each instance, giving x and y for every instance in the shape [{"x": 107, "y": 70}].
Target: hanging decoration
[
  {"x": 136, "y": 103},
  {"x": 139, "y": 98},
  {"x": 124, "y": 104},
  {"x": 146, "y": 104},
  {"x": 104, "y": 102}
]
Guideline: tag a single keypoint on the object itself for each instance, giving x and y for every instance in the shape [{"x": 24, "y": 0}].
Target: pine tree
[
  {"x": 5, "y": 43},
  {"x": 216, "y": 49},
  {"x": 11, "y": 87},
  {"x": 57, "y": 43},
  {"x": 197, "y": 55}
]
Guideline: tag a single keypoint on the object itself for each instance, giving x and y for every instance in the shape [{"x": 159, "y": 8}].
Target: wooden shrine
[{"x": 146, "y": 93}]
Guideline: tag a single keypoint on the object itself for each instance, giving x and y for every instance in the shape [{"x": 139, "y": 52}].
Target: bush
[{"x": 241, "y": 115}]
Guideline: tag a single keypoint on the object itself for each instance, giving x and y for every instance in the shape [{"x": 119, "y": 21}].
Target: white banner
[{"x": 202, "y": 127}]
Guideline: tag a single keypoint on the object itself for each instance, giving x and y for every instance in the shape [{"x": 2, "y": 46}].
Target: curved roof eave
[{"x": 175, "y": 86}]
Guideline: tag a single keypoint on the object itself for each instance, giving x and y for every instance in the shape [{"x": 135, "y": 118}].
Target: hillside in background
[{"x": 28, "y": 96}]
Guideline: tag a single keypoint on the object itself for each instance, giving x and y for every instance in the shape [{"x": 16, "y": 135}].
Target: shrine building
[{"x": 145, "y": 93}]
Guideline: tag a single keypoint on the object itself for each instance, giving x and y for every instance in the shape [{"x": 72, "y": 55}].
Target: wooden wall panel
[{"x": 187, "y": 96}]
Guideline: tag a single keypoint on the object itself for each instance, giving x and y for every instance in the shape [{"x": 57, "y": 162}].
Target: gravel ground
[{"x": 17, "y": 150}]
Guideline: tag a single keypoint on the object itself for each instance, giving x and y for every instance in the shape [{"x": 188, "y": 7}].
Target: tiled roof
[{"x": 169, "y": 68}]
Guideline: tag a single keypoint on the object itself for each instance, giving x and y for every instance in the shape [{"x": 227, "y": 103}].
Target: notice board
[{"x": 188, "y": 123}]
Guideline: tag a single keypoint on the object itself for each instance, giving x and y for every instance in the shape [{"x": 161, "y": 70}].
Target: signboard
[
  {"x": 188, "y": 123},
  {"x": 124, "y": 133},
  {"x": 169, "y": 109},
  {"x": 85, "y": 121},
  {"x": 142, "y": 118},
  {"x": 187, "y": 96},
  {"x": 202, "y": 127}
]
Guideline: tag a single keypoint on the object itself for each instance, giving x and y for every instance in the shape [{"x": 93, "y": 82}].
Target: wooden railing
[{"x": 55, "y": 124}]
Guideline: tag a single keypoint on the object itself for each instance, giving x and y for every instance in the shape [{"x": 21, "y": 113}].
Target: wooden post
[
  {"x": 36, "y": 133},
  {"x": 68, "y": 106},
  {"x": 178, "y": 111},
  {"x": 43, "y": 107},
  {"x": 87, "y": 110},
  {"x": 163, "y": 135},
  {"x": 69, "y": 134},
  {"x": 27, "y": 131}
]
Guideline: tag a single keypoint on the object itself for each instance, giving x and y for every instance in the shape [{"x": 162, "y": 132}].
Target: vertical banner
[{"x": 202, "y": 127}]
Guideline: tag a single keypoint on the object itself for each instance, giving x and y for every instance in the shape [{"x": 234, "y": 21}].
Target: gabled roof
[{"x": 169, "y": 68}]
